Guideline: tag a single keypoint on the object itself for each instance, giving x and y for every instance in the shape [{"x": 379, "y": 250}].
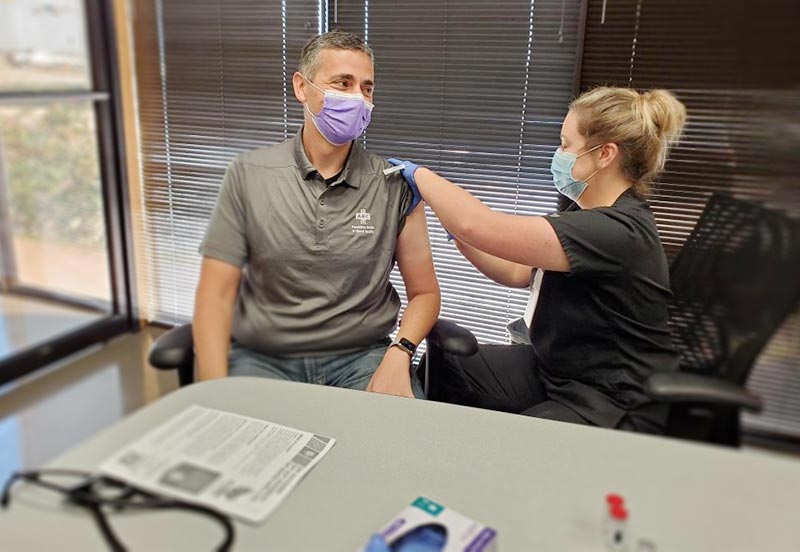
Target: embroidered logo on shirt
[
  {"x": 362, "y": 227},
  {"x": 362, "y": 216}
]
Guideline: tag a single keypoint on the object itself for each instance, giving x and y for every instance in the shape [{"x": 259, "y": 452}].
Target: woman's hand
[
  {"x": 408, "y": 171},
  {"x": 408, "y": 175}
]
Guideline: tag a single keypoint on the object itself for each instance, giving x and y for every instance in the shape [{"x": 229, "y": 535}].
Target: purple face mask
[{"x": 343, "y": 118}]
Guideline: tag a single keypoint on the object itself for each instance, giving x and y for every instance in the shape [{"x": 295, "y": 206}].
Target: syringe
[{"x": 394, "y": 170}]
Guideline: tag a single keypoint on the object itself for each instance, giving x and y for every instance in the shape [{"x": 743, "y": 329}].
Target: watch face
[
  {"x": 404, "y": 345},
  {"x": 408, "y": 345}
]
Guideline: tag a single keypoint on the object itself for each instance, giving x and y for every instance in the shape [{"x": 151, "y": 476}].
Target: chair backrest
[{"x": 735, "y": 280}]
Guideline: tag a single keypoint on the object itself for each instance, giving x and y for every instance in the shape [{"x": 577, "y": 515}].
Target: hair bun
[
  {"x": 644, "y": 127},
  {"x": 666, "y": 113}
]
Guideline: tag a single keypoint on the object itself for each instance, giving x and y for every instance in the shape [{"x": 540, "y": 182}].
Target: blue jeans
[{"x": 351, "y": 370}]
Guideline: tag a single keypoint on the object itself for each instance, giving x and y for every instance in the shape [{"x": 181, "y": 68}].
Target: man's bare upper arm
[
  {"x": 413, "y": 254},
  {"x": 219, "y": 279}
]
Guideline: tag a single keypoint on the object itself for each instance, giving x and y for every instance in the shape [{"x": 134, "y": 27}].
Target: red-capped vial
[
  {"x": 614, "y": 500},
  {"x": 619, "y": 513},
  {"x": 616, "y": 528}
]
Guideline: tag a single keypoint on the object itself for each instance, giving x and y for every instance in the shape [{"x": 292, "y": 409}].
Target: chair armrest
[
  {"x": 452, "y": 338},
  {"x": 173, "y": 349},
  {"x": 682, "y": 387}
]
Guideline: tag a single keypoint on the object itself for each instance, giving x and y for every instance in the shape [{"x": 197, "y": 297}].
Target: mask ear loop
[
  {"x": 598, "y": 168},
  {"x": 305, "y": 104},
  {"x": 312, "y": 84},
  {"x": 589, "y": 150},
  {"x": 591, "y": 175}
]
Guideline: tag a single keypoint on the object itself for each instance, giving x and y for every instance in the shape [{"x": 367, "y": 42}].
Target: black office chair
[
  {"x": 735, "y": 281},
  {"x": 174, "y": 349}
]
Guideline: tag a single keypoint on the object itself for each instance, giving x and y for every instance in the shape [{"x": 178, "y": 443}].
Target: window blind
[
  {"x": 721, "y": 62},
  {"x": 474, "y": 90},
  {"x": 477, "y": 92},
  {"x": 214, "y": 79}
]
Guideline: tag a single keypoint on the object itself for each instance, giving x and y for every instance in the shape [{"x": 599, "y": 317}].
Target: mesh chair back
[{"x": 734, "y": 281}]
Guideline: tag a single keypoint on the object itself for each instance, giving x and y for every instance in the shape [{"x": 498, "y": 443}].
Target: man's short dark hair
[{"x": 336, "y": 40}]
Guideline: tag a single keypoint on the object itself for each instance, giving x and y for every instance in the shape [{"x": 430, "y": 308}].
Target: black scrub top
[{"x": 600, "y": 330}]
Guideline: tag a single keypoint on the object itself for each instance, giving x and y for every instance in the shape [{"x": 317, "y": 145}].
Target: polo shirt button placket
[{"x": 320, "y": 231}]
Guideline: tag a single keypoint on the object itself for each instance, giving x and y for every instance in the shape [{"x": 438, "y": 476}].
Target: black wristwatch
[{"x": 404, "y": 345}]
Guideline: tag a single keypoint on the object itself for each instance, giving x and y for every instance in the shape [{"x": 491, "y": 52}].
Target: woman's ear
[{"x": 608, "y": 153}]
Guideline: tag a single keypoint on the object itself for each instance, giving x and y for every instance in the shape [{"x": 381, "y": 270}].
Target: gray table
[{"x": 541, "y": 484}]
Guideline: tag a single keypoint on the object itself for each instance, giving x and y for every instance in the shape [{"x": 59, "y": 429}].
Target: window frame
[{"x": 105, "y": 96}]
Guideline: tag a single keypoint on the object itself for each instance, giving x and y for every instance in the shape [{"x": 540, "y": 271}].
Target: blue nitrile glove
[
  {"x": 408, "y": 175},
  {"x": 377, "y": 544},
  {"x": 421, "y": 539}
]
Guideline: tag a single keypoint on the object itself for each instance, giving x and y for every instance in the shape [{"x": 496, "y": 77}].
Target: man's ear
[{"x": 299, "y": 85}]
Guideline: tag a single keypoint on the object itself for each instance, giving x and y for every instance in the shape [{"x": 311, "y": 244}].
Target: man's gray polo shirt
[{"x": 316, "y": 258}]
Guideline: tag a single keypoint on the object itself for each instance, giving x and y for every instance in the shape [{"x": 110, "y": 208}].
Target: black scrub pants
[{"x": 504, "y": 378}]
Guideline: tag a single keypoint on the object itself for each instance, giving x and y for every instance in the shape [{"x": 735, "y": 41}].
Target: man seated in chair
[{"x": 294, "y": 282}]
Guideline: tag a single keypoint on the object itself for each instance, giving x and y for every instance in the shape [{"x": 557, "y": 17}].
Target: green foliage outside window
[{"x": 52, "y": 173}]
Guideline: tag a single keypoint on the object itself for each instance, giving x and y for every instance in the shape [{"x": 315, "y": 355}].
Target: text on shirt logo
[
  {"x": 362, "y": 216},
  {"x": 362, "y": 227}
]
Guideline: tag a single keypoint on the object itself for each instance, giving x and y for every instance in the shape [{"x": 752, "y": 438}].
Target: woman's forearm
[
  {"x": 506, "y": 273},
  {"x": 526, "y": 240},
  {"x": 457, "y": 209}
]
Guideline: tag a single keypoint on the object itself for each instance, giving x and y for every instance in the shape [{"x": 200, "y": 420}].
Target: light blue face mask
[{"x": 561, "y": 167}]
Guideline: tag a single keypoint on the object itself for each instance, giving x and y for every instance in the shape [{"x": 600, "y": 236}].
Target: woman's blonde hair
[{"x": 643, "y": 126}]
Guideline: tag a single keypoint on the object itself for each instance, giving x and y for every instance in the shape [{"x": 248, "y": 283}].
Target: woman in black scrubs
[{"x": 598, "y": 275}]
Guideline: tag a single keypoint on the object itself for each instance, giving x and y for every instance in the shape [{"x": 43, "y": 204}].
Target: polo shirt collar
[{"x": 352, "y": 173}]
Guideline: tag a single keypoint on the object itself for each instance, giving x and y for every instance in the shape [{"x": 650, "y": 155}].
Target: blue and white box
[{"x": 462, "y": 534}]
